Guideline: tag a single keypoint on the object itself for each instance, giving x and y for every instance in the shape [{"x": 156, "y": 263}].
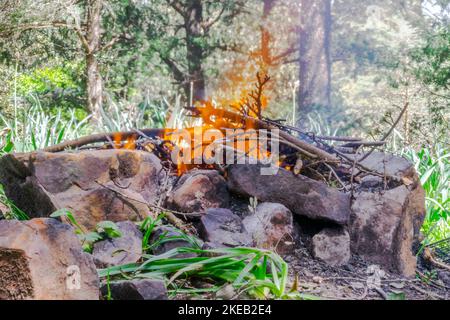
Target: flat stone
[
  {"x": 42, "y": 259},
  {"x": 271, "y": 227},
  {"x": 222, "y": 228},
  {"x": 332, "y": 245},
  {"x": 390, "y": 164},
  {"x": 199, "y": 190},
  {"x": 95, "y": 185},
  {"x": 145, "y": 289},
  {"x": 122, "y": 250},
  {"x": 371, "y": 182},
  {"x": 300, "y": 194}
]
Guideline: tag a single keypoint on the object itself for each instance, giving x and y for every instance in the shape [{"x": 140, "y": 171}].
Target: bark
[
  {"x": 93, "y": 38},
  {"x": 315, "y": 60},
  {"x": 94, "y": 86},
  {"x": 195, "y": 51},
  {"x": 266, "y": 53}
]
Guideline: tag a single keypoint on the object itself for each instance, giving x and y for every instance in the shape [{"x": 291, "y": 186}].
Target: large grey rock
[
  {"x": 94, "y": 185},
  {"x": 271, "y": 227},
  {"x": 145, "y": 289},
  {"x": 42, "y": 259},
  {"x": 403, "y": 169},
  {"x": 222, "y": 228},
  {"x": 122, "y": 250},
  {"x": 199, "y": 190},
  {"x": 383, "y": 227},
  {"x": 302, "y": 195},
  {"x": 390, "y": 164},
  {"x": 332, "y": 245}
]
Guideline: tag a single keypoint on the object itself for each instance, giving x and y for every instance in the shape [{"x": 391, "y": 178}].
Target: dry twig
[
  {"x": 394, "y": 125},
  {"x": 100, "y": 137},
  {"x": 169, "y": 214},
  {"x": 427, "y": 255},
  {"x": 260, "y": 124}
]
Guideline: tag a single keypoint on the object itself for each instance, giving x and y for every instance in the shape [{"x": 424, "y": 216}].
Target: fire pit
[{"x": 236, "y": 180}]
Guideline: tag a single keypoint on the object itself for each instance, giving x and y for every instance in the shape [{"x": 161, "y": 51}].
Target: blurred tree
[
  {"x": 315, "y": 57},
  {"x": 82, "y": 19},
  {"x": 195, "y": 20},
  {"x": 270, "y": 56}
]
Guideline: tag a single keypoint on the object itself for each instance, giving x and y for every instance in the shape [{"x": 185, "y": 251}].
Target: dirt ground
[{"x": 350, "y": 282}]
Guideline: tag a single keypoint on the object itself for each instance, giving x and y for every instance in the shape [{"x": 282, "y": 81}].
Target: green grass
[
  {"x": 103, "y": 230},
  {"x": 260, "y": 273},
  {"x": 127, "y": 116},
  {"x": 433, "y": 167},
  {"x": 35, "y": 129}
]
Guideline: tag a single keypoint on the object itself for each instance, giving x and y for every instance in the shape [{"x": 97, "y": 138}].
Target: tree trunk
[
  {"x": 266, "y": 53},
  {"x": 195, "y": 51},
  {"x": 94, "y": 86},
  {"x": 94, "y": 78},
  {"x": 315, "y": 59}
]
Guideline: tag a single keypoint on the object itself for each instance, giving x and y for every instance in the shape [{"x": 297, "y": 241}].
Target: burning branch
[
  {"x": 209, "y": 114},
  {"x": 103, "y": 137},
  {"x": 253, "y": 104}
]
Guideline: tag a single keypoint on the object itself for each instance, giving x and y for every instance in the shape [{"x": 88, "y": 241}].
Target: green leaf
[
  {"x": 9, "y": 145},
  {"x": 60, "y": 135},
  {"x": 109, "y": 228},
  {"x": 60, "y": 213},
  {"x": 66, "y": 213},
  {"x": 87, "y": 247},
  {"x": 92, "y": 237},
  {"x": 33, "y": 141},
  {"x": 8, "y": 148}
]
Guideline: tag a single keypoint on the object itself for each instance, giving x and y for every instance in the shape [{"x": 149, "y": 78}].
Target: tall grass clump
[
  {"x": 260, "y": 273},
  {"x": 126, "y": 116},
  {"x": 254, "y": 272},
  {"x": 433, "y": 167},
  {"x": 34, "y": 129}
]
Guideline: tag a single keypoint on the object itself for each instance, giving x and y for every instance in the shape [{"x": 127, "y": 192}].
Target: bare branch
[
  {"x": 177, "y": 6},
  {"x": 228, "y": 47},
  {"x": 177, "y": 73},
  {"x": 49, "y": 25},
  {"x": 79, "y": 31},
  {"x": 109, "y": 44},
  {"x": 276, "y": 59},
  {"x": 35, "y": 26},
  {"x": 83, "y": 40},
  {"x": 208, "y": 24}
]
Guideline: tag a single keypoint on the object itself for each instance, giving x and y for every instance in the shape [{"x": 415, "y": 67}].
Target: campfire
[
  {"x": 238, "y": 179},
  {"x": 237, "y": 129}
]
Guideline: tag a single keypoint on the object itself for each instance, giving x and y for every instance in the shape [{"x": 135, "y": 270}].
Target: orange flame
[
  {"x": 195, "y": 146},
  {"x": 128, "y": 144}
]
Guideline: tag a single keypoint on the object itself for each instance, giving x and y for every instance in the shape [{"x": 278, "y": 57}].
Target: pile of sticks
[
  {"x": 335, "y": 160},
  {"x": 341, "y": 164}
]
